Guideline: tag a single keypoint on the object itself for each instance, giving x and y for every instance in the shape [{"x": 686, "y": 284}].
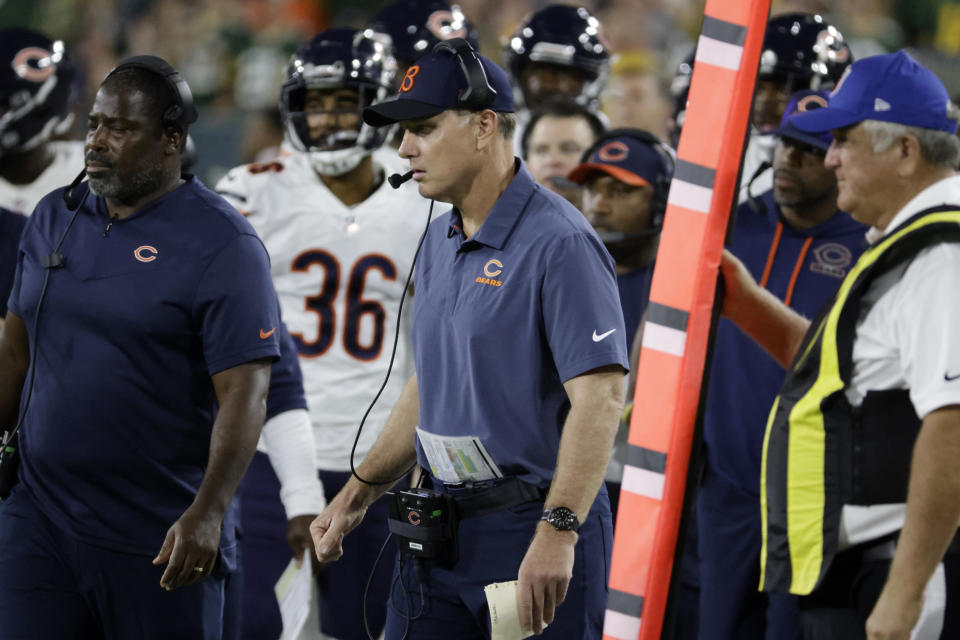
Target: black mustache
[{"x": 93, "y": 157}]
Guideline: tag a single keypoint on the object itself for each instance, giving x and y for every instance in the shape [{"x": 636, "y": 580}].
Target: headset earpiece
[
  {"x": 479, "y": 94},
  {"x": 183, "y": 112}
]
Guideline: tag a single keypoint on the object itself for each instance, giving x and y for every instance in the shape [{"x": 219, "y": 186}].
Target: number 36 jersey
[{"x": 339, "y": 272}]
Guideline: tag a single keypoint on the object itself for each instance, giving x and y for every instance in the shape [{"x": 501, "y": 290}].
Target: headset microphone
[
  {"x": 754, "y": 201},
  {"x": 70, "y": 197},
  {"x": 398, "y": 179}
]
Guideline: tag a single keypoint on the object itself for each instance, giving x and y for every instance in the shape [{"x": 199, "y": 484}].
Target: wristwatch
[{"x": 561, "y": 519}]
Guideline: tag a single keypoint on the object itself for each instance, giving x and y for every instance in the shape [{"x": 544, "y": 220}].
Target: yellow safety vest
[{"x": 819, "y": 453}]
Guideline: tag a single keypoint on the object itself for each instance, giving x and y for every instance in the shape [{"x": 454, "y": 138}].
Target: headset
[
  {"x": 668, "y": 164},
  {"x": 479, "y": 94},
  {"x": 178, "y": 115}
]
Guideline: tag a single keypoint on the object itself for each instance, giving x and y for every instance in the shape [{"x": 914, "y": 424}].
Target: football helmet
[
  {"x": 413, "y": 27},
  {"x": 803, "y": 51},
  {"x": 335, "y": 59},
  {"x": 36, "y": 87},
  {"x": 564, "y": 36}
]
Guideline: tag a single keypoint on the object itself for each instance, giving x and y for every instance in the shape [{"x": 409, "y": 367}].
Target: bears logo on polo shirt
[
  {"x": 491, "y": 270},
  {"x": 145, "y": 253}
]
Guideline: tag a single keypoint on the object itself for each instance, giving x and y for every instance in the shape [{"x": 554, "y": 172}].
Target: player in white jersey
[
  {"x": 36, "y": 76},
  {"x": 341, "y": 243},
  {"x": 339, "y": 271}
]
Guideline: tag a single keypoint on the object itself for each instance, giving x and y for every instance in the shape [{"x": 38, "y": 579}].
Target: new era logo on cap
[{"x": 893, "y": 88}]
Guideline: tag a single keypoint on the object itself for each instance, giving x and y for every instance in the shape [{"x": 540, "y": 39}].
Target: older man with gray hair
[{"x": 860, "y": 486}]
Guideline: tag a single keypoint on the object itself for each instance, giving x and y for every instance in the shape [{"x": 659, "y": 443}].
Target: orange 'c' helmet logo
[
  {"x": 34, "y": 64},
  {"x": 408, "y": 79}
]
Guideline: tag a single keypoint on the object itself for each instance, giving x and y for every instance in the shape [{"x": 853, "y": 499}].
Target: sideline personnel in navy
[
  {"x": 860, "y": 488},
  {"x": 162, "y": 310},
  {"x": 514, "y": 331}
]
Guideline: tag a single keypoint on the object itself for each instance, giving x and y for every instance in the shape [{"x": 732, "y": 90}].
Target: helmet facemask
[{"x": 350, "y": 83}]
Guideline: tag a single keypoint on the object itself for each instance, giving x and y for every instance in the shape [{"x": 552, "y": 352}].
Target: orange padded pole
[{"x": 677, "y": 328}]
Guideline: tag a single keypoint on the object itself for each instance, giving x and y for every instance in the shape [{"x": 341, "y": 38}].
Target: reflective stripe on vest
[{"x": 802, "y": 476}]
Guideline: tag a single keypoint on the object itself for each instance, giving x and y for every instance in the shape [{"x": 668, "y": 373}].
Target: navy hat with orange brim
[
  {"x": 434, "y": 84},
  {"x": 626, "y": 158}
]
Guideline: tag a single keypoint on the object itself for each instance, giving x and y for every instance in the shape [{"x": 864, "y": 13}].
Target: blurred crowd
[{"x": 233, "y": 52}]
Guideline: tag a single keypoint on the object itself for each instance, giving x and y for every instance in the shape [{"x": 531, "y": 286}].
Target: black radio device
[{"x": 424, "y": 524}]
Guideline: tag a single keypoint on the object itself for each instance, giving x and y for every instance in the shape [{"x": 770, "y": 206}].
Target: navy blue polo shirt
[
  {"x": 117, "y": 434},
  {"x": 503, "y": 319},
  {"x": 745, "y": 379}
]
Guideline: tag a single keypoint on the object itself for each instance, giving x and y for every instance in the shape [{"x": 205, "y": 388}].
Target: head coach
[
  {"x": 860, "y": 486},
  {"x": 140, "y": 335},
  {"x": 519, "y": 374}
]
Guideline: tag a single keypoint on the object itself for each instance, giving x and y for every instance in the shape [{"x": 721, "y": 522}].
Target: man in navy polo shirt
[
  {"x": 517, "y": 362},
  {"x": 156, "y": 309}
]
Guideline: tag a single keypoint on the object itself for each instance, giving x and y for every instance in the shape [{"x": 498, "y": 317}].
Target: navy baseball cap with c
[
  {"x": 438, "y": 82},
  {"x": 627, "y": 158},
  {"x": 892, "y": 87},
  {"x": 799, "y": 103}
]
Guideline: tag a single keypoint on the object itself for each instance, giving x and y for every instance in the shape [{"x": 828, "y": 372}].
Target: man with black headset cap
[
  {"x": 519, "y": 375},
  {"x": 157, "y": 311}
]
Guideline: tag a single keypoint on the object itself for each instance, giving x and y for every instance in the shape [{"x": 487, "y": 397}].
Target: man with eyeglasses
[{"x": 798, "y": 246}]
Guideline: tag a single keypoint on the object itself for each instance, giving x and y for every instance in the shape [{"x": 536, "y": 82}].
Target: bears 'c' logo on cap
[
  {"x": 33, "y": 64},
  {"x": 615, "y": 151},
  {"x": 407, "y": 83},
  {"x": 811, "y": 102}
]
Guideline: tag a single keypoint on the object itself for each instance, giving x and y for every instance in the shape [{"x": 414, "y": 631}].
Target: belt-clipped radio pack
[{"x": 424, "y": 523}]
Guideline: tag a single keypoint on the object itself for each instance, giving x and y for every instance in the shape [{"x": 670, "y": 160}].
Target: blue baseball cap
[
  {"x": 802, "y": 102},
  {"x": 627, "y": 158},
  {"x": 892, "y": 87},
  {"x": 434, "y": 84}
]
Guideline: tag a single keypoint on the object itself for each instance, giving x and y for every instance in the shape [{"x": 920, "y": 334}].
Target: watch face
[{"x": 562, "y": 519}]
